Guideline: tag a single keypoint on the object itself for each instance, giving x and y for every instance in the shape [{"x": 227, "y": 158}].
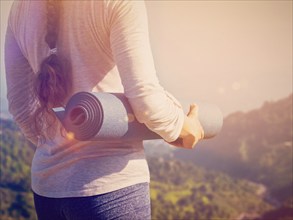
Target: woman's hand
[{"x": 192, "y": 130}]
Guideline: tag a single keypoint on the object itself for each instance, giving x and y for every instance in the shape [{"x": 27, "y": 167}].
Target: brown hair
[{"x": 53, "y": 81}]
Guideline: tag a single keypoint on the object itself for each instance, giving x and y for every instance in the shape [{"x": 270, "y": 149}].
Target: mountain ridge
[
  {"x": 253, "y": 145},
  {"x": 250, "y": 158}
]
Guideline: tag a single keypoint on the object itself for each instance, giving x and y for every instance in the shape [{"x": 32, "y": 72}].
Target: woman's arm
[
  {"x": 19, "y": 79},
  {"x": 152, "y": 105}
]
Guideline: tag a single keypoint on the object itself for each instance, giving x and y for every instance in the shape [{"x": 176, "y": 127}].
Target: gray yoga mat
[{"x": 108, "y": 116}]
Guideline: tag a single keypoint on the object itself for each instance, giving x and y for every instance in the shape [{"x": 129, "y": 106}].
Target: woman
[{"x": 56, "y": 48}]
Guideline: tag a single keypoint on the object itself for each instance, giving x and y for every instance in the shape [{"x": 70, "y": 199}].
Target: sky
[{"x": 236, "y": 54}]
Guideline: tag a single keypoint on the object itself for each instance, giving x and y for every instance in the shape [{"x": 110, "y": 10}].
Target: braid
[{"x": 52, "y": 82}]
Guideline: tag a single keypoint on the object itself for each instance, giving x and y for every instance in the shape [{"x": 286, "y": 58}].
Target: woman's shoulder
[{"x": 20, "y": 11}]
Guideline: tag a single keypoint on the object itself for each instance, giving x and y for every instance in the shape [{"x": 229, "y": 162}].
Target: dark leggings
[{"x": 132, "y": 202}]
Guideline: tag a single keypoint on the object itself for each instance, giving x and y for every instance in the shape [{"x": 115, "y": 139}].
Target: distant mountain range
[
  {"x": 3, "y": 104},
  {"x": 4, "y": 108},
  {"x": 256, "y": 145},
  {"x": 243, "y": 173}
]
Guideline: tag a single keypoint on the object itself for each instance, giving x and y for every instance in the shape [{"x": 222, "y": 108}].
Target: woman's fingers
[
  {"x": 193, "y": 111},
  {"x": 196, "y": 128},
  {"x": 192, "y": 130}
]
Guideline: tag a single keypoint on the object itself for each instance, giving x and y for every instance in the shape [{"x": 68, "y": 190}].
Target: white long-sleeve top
[{"x": 107, "y": 44}]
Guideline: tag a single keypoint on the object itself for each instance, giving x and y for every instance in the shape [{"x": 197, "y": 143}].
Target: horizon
[{"x": 237, "y": 55}]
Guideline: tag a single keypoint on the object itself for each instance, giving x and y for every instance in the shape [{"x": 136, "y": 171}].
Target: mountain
[
  {"x": 236, "y": 175},
  {"x": 4, "y": 109},
  {"x": 182, "y": 190},
  {"x": 178, "y": 190},
  {"x": 256, "y": 145},
  {"x": 3, "y": 104},
  {"x": 15, "y": 160}
]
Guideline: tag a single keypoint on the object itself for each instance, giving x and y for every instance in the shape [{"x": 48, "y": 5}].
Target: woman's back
[{"x": 62, "y": 166}]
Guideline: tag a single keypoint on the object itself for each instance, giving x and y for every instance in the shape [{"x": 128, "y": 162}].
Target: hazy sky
[{"x": 236, "y": 54}]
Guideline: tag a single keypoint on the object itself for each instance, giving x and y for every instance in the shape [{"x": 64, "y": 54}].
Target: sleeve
[
  {"x": 130, "y": 46},
  {"x": 19, "y": 79}
]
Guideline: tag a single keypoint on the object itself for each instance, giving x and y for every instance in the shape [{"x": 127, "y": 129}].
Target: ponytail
[{"x": 52, "y": 83}]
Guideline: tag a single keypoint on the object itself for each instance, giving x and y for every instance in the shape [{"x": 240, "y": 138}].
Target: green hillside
[
  {"x": 256, "y": 145},
  {"x": 178, "y": 190},
  {"x": 16, "y": 155},
  {"x": 217, "y": 180},
  {"x": 184, "y": 191}
]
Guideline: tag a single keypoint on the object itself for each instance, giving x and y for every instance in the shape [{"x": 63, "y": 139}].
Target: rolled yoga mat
[{"x": 108, "y": 116}]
